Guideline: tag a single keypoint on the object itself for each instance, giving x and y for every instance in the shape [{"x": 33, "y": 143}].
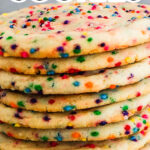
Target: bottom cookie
[{"x": 134, "y": 142}]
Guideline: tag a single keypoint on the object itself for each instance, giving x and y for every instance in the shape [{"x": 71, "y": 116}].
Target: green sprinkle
[
  {"x": 44, "y": 138},
  {"x": 76, "y": 51},
  {"x": 26, "y": 34},
  {"x": 38, "y": 87},
  {"x": 54, "y": 66},
  {"x": 94, "y": 133},
  {"x": 81, "y": 59},
  {"x": 90, "y": 39},
  {"x": 114, "y": 52},
  {"x": 68, "y": 38},
  {"x": 2, "y": 33},
  {"x": 144, "y": 121},
  {"x": 97, "y": 112},
  {"x": 21, "y": 104},
  {"x": 112, "y": 100},
  {"x": 124, "y": 108},
  {"x": 71, "y": 12},
  {"x": 49, "y": 79},
  {"x": 33, "y": 26},
  {"x": 89, "y": 11},
  {"x": 45, "y": 18},
  {"x": 9, "y": 38}
]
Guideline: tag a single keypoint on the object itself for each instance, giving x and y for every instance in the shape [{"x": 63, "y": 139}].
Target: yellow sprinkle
[
  {"x": 69, "y": 124},
  {"x": 128, "y": 59},
  {"x": 17, "y": 125},
  {"x": 17, "y": 31},
  {"x": 139, "y": 17},
  {"x": 148, "y": 108},
  {"x": 5, "y": 14},
  {"x": 70, "y": 7},
  {"x": 40, "y": 19},
  {"x": 84, "y": 33},
  {"x": 83, "y": 139}
]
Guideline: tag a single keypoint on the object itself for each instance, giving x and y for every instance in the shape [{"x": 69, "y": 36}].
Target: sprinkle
[
  {"x": 33, "y": 100},
  {"x": 103, "y": 96},
  {"x": 32, "y": 50},
  {"x": 77, "y": 49},
  {"x": 90, "y": 39},
  {"x": 64, "y": 55},
  {"x": 125, "y": 108},
  {"x": 38, "y": 87},
  {"x": 110, "y": 59},
  {"x": 68, "y": 108},
  {"x": 94, "y": 133},
  {"x": 66, "y": 22},
  {"x": 51, "y": 101},
  {"x": 24, "y": 54},
  {"x": 51, "y": 72},
  {"x": 89, "y": 84},
  {"x": 44, "y": 138},
  {"x": 59, "y": 137},
  {"x": 27, "y": 90},
  {"x": 9, "y": 38},
  {"x": 76, "y": 135},
  {"x": 148, "y": 28},
  {"x": 14, "y": 46},
  {"x": 46, "y": 118},
  {"x": 76, "y": 83},
  {"x": 97, "y": 112},
  {"x": 60, "y": 49},
  {"x": 102, "y": 123},
  {"x": 21, "y": 104},
  {"x": 102, "y": 44},
  {"x": 80, "y": 59},
  {"x": 68, "y": 38}
]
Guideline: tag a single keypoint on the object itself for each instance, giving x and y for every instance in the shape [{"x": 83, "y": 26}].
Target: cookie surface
[
  {"x": 76, "y": 119},
  {"x": 132, "y": 143},
  {"x": 76, "y": 64},
  {"x": 89, "y": 82},
  {"x": 73, "y": 29},
  {"x": 110, "y": 131},
  {"x": 74, "y": 102}
]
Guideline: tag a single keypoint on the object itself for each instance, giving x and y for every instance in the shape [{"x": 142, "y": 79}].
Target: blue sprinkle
[
  {"x": 103, "y": 96},
  {"x": 107, "y": 6},
  {"x": 27, "y": 90},
  {"x": 148, "y": 28},
  {"x": 76, "y": 83},
  {"x": 32, "y": 50},
  {"x": 68, "y": 108},
  {"x": 24, "y": 26},
  {"x": 11, "y": 26},
  {"x": 135, "y": 130},
  {"x": 50, "y": 19},
  {"x": 133, "y": 138},
  {"x": 59, "y": 137},
  {"x": 64, "y": 55},
  {"x": 51, "y": 72},
  {"x": 113, "y": 15},
  {"x": 133, "y": 18},
  {"x": 77, "y": 10}
]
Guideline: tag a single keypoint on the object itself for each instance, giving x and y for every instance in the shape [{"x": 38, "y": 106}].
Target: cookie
[
  {"x": 76, "y": 119},
  {"x": 74, "y": 102},
  {"x": 66, "y": 84},
  {"x": 110, "y": 131},
  {"x": 73, "y": 29},
  {"x": 75, "y": 64},
  {"x": 132, "y": 143}
]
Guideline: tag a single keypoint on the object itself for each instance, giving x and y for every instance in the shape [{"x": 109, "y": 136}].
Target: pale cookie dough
[
  {"x": 65, "y": 84},
  {"x": 73, "y": 29},
  {"x": 74, "y": 102},
  {"x": 134, "y": 142},
  {"x": 110, "y": 131},
  {"x": 75, "y": 64},
  {"x": 76, "y": 119}
]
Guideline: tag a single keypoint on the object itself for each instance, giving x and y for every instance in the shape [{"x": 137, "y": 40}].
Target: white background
[{"x": 7, "y": 5}]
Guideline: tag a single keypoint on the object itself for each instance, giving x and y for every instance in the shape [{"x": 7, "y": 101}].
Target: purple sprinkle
[
  {"x": 14, "y": 46},
  {"x": 66, "y": 21},
  {"x": 60, "y": 49},
  {"x": 33, "y": 101},
  {"x": 46, "y": 118}
]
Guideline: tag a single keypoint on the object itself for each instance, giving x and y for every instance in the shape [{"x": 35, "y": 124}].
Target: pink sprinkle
[
  {"x": 94, "y": 7},
  {"x": 90, "y": 17},
  {"x": 98, "y": 28},
  {"x": 24, "y": 54},
  {"x": 145, "y": 116},
  {"x": 139, "y": 125},
  {"x": 106, "y": 48},
  {"x": 138, "y": 11}
]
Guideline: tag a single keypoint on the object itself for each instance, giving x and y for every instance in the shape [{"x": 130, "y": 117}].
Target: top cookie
[{"x": 51, "y": 31}]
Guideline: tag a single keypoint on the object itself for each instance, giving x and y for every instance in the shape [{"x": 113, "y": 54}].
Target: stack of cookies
[{"x": 75, "y": 76}]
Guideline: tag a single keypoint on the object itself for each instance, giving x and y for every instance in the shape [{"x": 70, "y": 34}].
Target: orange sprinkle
[
  {"x": 143, "y": 32},
  {"x": 76, "y": 135},
  {"x": 28, "y": 23},
  {"x": 13, "y": 105},
  {"x": 112, "y": 87},
  {"x": 89, "y": 84},
  {"x": 110, "y": 59},
  {"x": 111, "y": 137},
  {"x": 83, "y": 13}
]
